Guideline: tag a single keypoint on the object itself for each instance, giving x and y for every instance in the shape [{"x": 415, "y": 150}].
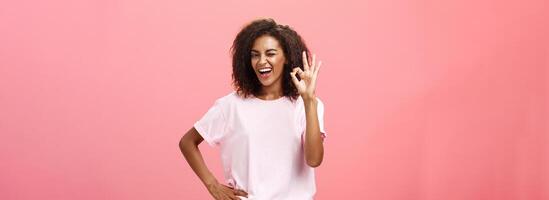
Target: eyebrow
[{"x": 256, "y": 51}]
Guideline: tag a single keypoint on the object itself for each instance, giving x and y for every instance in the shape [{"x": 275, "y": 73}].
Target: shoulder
[{"x": 229, "y": 99}]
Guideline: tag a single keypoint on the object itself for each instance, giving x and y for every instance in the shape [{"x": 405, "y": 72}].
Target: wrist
[
  {"x": 209, "y": 181},
  {"x": 309, "y": 98}
]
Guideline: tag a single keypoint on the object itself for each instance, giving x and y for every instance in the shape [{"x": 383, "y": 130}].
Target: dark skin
[
  {"x": 266, "y": 52},
  {"x": 189, "y": 147}
]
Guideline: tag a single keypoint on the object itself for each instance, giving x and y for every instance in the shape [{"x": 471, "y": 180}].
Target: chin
[{"x": 266, "y": 83}]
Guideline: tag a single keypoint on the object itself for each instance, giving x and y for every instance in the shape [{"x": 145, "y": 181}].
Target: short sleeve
[
  {"x": 320, "y": 115},
  {"x": 212, "y": 125}
]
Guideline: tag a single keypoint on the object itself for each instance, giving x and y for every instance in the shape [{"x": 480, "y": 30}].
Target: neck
[{"x": 271, "y": 92}]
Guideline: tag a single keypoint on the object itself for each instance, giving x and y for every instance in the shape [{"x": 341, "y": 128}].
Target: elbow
[
  {"x": 314, "y": 158},
  {"x": 190, "y": 140},
  {"x": 314, "y": 162},
  {"x": 183, "y": 142}
]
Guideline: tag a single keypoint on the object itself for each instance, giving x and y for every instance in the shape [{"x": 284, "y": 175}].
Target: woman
[{"x": 270, "y": 130}]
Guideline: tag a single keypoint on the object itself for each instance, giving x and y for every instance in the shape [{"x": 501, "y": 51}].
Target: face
[{"x": 268, "y": 61}]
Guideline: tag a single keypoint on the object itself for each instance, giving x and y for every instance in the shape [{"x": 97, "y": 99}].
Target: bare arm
[
  {"x": 314, "y": 148},
  {"x": 189, "y": 147}
]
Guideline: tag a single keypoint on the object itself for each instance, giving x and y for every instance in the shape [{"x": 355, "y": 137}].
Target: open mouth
[{"x": 265, "y": 72}]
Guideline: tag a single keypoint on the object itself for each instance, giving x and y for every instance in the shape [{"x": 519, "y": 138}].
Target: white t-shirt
[{"x": 261, "y": 145}]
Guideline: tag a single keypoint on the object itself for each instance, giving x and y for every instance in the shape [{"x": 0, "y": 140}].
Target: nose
[{"x": 262, "y": 60}]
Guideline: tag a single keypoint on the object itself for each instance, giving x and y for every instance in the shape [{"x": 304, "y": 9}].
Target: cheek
[{"x": 279, "y": 63}]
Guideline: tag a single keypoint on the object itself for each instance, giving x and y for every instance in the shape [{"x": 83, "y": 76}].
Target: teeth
[{"x": 265, "y": 70}]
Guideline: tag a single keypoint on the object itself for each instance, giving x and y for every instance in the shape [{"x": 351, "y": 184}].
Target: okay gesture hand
[{"x": 307, "y": 85}]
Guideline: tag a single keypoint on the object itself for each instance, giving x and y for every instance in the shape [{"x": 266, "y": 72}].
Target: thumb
[{"x": 294, "y": 78}]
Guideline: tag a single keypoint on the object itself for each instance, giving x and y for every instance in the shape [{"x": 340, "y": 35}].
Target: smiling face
[{"x": 268, "y": 60}]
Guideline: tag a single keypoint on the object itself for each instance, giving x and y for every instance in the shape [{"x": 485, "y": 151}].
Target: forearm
[
  {"x": 314, "y": 149},
  {"x": 192, "y": 154}
]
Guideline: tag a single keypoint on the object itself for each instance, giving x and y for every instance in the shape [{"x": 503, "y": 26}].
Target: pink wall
[{"x": 424, "y": 100}]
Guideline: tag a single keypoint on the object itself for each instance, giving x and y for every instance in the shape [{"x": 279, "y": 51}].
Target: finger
[
  {"x": 295, "y": 70},
  {"x": 233, "y": 197},
  {"x": 294, "y": 78},
  {"x": 299, "y": 71},
  {"x": 305, "y": 62},
  {"x": 303, "y": 74},
  {"x": 317, "y": 68},
  {"x": 241, "y": 193},
  {"x": 229, "y": 194},
  {"x": 228, "y": 190},
  {"x": 313, "y": 63},
  {"x": 229, "y": 187}
]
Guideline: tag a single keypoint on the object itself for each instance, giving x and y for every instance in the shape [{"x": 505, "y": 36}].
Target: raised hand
[{"x": 307, "y": 85}]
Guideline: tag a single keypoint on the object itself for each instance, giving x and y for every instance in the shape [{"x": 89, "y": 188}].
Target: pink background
[{"x": 424, "y": 100}]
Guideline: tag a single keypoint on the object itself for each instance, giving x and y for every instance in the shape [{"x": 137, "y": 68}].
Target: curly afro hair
[{"x": 245, "y": 81}]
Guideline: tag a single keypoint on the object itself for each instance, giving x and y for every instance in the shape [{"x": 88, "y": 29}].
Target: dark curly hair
[{"x": 245, "y": 81}]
